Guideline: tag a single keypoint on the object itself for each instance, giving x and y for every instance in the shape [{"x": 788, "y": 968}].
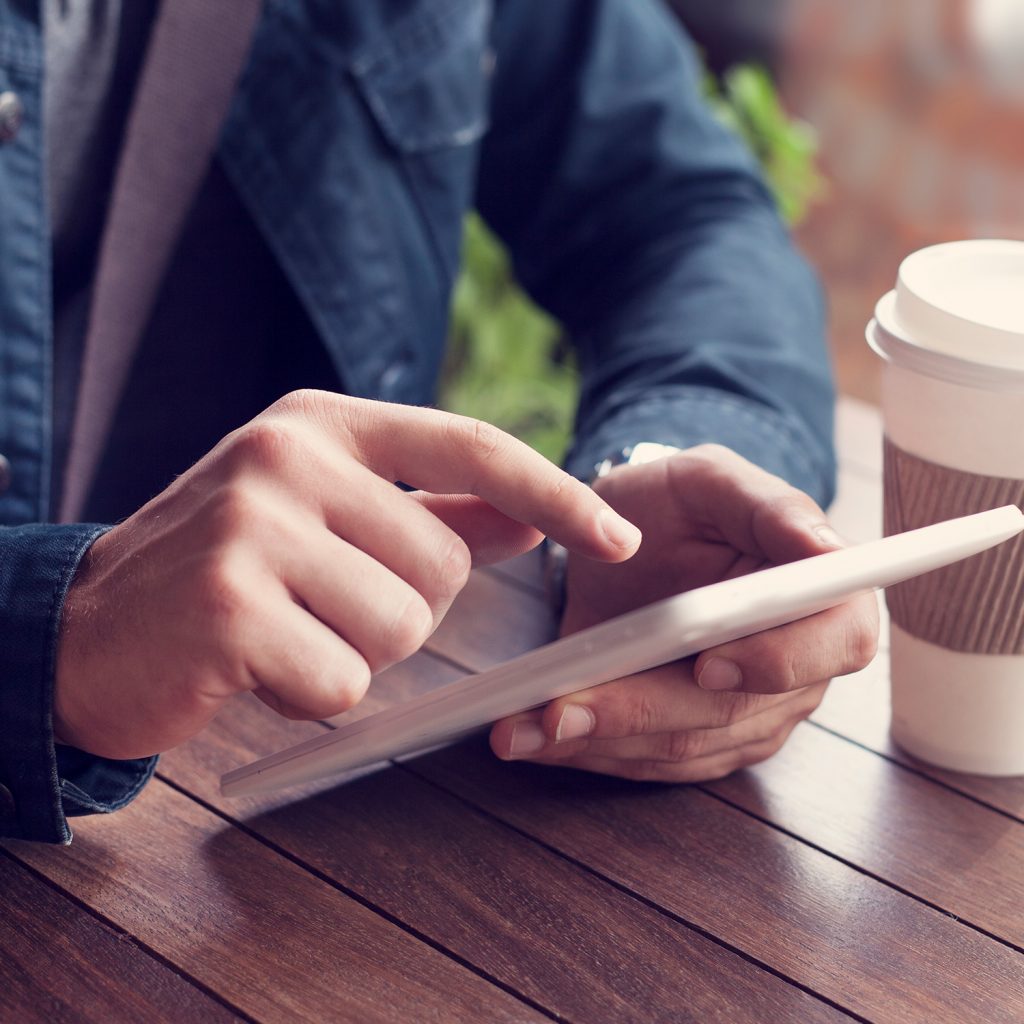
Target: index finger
[{"x": 449, "y": 454}]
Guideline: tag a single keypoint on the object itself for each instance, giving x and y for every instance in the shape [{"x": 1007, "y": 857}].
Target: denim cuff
[
  {"x": 99, "y": 785},
  {"x": 686, "y": 416},
  {"x": 43, "y": 784}
]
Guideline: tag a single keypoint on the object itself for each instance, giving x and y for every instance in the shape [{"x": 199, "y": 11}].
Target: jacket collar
[{"x": 193, "y": 62}]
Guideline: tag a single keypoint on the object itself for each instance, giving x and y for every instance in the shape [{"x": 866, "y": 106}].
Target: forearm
[
  {"x": 645, "y": 226},
  {"x": 718, "y": 337}
]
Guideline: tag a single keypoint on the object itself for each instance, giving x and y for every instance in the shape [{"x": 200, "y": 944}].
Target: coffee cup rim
[
  {"x": 924, "y": 309},
  {"x": 896, "y": 347}
]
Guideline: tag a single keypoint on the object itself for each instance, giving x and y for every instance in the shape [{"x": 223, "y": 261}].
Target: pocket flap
[{"x": 426, "y": 82}]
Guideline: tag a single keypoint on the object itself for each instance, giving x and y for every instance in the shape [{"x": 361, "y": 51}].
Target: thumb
[
  {"x": 490, "y": 535},
  {"x": 796, "y": 530}
]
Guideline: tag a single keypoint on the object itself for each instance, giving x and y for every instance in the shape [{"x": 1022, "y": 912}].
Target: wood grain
[
  {"x": 491, "y": 621},
  {"x": 275, "y": 941},
  {"x": 858, "y": 708},
  {"x": 884, "y": 820},
  {"x": 527, "y": 570},
  {"x": 61, "y": 964},
  {"x": 435, "y": 890},
  {"x": 852, "y": 939},
  {"x": 537, "y": 923}
]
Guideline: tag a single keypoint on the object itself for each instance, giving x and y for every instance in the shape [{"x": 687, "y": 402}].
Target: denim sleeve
[
  {"x": 645, "y": 227},
  {"x": 43, "y": 784}
]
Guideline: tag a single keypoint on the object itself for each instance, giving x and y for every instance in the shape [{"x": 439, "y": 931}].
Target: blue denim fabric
[
  {"x": 359, "y": 135},
  {"x": 46, "y": 783}
]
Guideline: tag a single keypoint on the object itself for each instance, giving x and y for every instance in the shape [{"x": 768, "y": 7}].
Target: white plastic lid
[
  {"x": 964, "y": 299},
  {"x": 895, "y": 346}
]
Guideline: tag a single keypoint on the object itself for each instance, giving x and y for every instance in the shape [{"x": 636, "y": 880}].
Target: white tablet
[{"x": 665, "y": 631}]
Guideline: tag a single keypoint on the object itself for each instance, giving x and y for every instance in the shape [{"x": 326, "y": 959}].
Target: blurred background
[
  {"x": 883, "y": 126},
  {"x": 917, "y": 106}
]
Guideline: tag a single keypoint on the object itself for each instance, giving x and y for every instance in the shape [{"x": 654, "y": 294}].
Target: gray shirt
[{"x": 94, "y": 50}]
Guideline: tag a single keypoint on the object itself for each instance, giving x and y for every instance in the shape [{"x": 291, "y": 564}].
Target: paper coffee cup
[{"x": 952, "y": 339}]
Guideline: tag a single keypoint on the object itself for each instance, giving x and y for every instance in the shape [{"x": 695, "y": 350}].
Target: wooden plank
[
  {"x": 492, "y": 621},
  {"x": 854, "y": 940},
  {"x": 275, "y": 941},
  {"x": 401, "y": 683},
  {"x": 62, "y": 964},
  {"x": 895, "y": 824},
  {"x": 526, "y": 570},
  {"x": 1004, "y": 794},
  {"x": 858, "y": 708},
  {"x": 538, "y": 924}
]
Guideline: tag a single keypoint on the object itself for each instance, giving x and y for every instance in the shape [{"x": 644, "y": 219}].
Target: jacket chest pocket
[{"x": 426, "y": 85}]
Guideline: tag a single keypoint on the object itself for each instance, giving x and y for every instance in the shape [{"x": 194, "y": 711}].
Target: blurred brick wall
[{"x": 918, "y": 142}]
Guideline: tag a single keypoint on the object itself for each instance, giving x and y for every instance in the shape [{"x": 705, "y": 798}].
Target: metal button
[
  {"x": 5, "y": 474},
  {"x": 12, "y": 113}
]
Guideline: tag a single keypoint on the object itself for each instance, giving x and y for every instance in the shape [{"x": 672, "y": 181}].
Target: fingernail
[
  {"x": 575, "y": 722},
  {"x": 620, "y": 532},
  {"x": 720, "y": 674},
  {"x": 829, "y": 536},
  {"x": 527, "y": 738}
]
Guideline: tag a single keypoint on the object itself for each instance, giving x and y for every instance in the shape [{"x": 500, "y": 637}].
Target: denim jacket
[{"x": 359, "y": 135}]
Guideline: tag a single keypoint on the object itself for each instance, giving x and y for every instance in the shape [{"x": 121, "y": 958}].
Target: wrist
[
  {"x": 633, "y": 455},
  {"x": 556, "y": 558}
]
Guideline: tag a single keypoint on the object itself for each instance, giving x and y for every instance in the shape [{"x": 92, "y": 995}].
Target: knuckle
[
  {"x": 786, "y": 505},
  {"x": 455, "y": 567},
  {"x": 862, "y": 642},
  {"x": 221, "y": 596},
  {"x": 563, "y": 487},
  {"x": 477, "y": 438},
  {"x": 684, "y": 745},
  {"x": 640, "y": 715},
  {"x": 782, "y": 673},
  {"x": 712, "y": 453},
  {"x": 485, "y": 440},
  {"x": 329, "y": 693},
  {"x": 233, "y": 510},
  {"x": 713, "y": 460},
  {"x": 409, "y": 630},
  {"x": 733, "y": 708},
  {"x": 352, "y": 687},
  {"x": 567, "y": 493},
  {"x": 303, "y": 402},
  {"x": 268, "y": 444}
]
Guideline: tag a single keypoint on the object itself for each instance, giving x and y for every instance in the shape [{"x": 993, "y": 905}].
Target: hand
[
  {"x": 288, "y": 564},
  {"x": 707, "y": 515}
]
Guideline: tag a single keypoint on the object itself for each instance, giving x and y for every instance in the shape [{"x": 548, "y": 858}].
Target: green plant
[
  {"x": 503, "y": 361},
  {"x": 746, "y": 101},
  {"x": 507, "y": 360}
]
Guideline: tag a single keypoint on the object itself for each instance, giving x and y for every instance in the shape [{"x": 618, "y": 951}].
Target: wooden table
[{"x": 838, "y": 881}]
